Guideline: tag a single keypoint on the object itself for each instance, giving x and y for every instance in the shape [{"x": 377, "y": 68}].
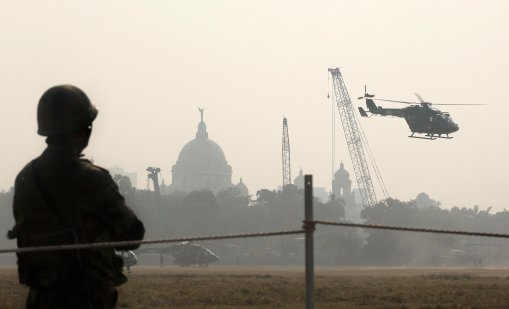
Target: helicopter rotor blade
[
  {"x": 403, "y": 102},
  {"x": 420, "y": 98},
  {"x": 422, "y": 102},
  {"x": 457, "y": 104},
  {"x": 429, "y": 103}
]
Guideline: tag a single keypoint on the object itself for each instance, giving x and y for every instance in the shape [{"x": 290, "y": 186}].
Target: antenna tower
[
  {"x": 287, "y": 177},
  {"x": 353, "y": 139}
]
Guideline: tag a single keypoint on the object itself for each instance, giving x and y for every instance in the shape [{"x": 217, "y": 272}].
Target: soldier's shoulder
[
  {"x": 98, "y": 183},
  {"x": 94, "y": 172},
  {"x": 23, "y": 174}
]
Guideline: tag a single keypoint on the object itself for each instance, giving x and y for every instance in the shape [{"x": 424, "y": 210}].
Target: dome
[
  {"x": 244, "y": 191},
  {"x": 341, "y": 173},
  {"x": 201, "y": 165},
  {"x": 299, "y": 180},
  {"x": 201, "y": 155}
]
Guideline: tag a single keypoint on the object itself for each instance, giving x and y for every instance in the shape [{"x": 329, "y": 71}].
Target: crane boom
[
  {"x": 287, "y": 177},
  {"x": 353, "y": 139}
]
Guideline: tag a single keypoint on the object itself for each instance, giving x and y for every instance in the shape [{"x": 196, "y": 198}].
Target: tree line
[{"x": 201, "y": 213}]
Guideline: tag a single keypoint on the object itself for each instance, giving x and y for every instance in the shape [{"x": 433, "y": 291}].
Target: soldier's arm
[{"x": 120, "y": 220}]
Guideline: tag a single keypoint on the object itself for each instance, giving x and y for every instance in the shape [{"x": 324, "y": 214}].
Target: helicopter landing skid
[
  {"x": 434, "y": 136},
  {"x": 445, "y": 137},
  {"x": 422, "y": 137},
  {"x": 430, "y": 136}
]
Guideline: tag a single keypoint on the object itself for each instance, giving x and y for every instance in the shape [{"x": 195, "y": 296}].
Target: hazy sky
[{"x": 148, "y": 66}]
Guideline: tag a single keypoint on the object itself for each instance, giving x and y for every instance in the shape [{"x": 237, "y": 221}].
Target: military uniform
[{"x": 60, "y": 199}]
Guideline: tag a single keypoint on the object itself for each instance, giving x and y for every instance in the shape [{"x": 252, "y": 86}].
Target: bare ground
[{"x": 283, "y": 287}]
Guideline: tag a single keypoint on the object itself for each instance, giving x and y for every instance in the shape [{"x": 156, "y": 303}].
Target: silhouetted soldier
[{"x": 60, "y": 199}]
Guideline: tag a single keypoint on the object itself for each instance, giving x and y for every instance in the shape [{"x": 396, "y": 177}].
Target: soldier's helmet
[{"x": 63, "y": 110}]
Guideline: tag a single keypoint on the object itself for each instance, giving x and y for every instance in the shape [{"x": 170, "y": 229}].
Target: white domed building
[{"x": 201, "y": 165}]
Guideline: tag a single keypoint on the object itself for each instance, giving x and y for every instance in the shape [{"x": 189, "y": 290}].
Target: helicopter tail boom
[{"x": 378, "y": 110}]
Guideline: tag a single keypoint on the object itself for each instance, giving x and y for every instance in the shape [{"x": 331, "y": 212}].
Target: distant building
[
  {"x": 244, "y": 191},
  {"x": 299, "y": 180},
  {"x": 342, "y": 189},
  {"x": 318, "y": 192},
  {"x": 117, "y": 170},
  {"x": 202, "y": 165},
  {"x": 357, "y": 196},
  {"x": 321, "y": 194},
  {"x": 342, "y": 185}
]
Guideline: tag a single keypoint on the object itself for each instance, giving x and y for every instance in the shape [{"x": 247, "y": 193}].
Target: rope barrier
[
  {"x": 411, "y": 229},
  {"x": 144, "y": 242},
  {"x": 307, "y": 225}
]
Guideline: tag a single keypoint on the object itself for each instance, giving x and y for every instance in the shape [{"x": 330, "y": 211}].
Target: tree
[
  {"x": 265, "y": 197},
  {"x": 231, "y": 197},
  {"x": 124, "y": 185},
  {"x": 424, "y": 201},
  {"x": 201, "y": 212}
]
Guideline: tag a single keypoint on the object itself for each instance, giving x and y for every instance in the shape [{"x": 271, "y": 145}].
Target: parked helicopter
[
  {"x": 420, "y": 117},
  {"x": 186, "y": 254},
  {"x": 130, "y": 259}
]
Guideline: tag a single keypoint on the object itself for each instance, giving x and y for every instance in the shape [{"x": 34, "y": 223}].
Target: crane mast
[
  {"x": 353, "y": 139},
  {"x": 287, "y": 177}
]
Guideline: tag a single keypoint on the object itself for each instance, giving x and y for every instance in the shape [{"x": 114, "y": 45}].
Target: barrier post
[{"x": 309, "y": 228}]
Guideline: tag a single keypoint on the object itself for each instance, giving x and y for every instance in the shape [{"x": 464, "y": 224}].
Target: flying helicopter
[{"x": 420, "y": 116}]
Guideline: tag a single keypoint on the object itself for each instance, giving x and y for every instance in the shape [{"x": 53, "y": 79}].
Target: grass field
[{"x": 252, "y": 287}]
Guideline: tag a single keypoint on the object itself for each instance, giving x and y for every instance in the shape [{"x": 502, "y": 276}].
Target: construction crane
[
  {"x": 353, "y": 139},
  {"x": 287, "y": 177}
]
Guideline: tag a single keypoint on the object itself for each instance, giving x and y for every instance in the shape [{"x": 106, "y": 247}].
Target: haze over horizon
[{"x": 148, "y": 66}]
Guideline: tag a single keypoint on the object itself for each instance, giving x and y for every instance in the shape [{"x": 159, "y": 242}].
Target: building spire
[
  {"x": 201, "y": 112},
  {"x": 202, "y": 127}
]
